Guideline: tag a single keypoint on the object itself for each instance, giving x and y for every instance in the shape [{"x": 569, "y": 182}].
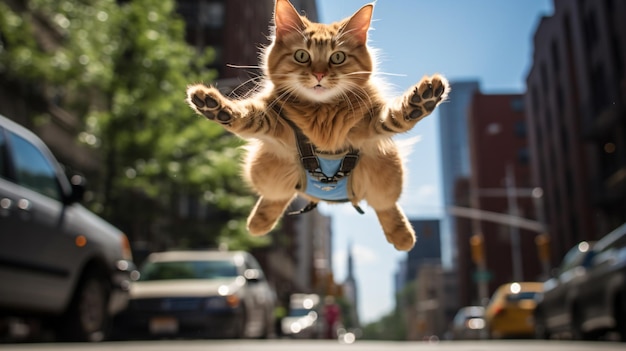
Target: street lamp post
[{"x": 516, "y": 251}]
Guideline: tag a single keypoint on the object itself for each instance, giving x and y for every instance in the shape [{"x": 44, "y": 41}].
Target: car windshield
[
  {"x": 525, "y": 295},
  {"x": 299, "y": 312},
  {"x": 187, "y": 270}
]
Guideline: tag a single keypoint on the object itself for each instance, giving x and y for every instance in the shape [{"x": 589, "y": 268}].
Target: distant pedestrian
[{"x": 331, "y": 316}]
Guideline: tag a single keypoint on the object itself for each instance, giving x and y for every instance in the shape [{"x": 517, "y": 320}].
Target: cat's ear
[
  {"x": 358, "y": 25},
  {"x": 286, "y": 19}
]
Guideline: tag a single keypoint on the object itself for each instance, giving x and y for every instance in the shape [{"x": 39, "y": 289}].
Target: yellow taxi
[{"x": 510, "y": 310}]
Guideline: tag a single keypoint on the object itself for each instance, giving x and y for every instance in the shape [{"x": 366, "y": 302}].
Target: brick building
[
  {"x": 500, "y": 161},
  {"x": 576, "y": 96}
]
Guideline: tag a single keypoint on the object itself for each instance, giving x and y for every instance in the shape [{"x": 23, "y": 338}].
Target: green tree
[{"x": 122, "y": 67}]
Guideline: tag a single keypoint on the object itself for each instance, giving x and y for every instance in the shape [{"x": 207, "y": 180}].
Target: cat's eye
[
  {"x": 337, "y": 57},
  {"x": 302, "y": 56}
]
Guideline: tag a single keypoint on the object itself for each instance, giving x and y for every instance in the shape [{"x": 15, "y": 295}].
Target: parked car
[
  {"x": 510, "y": 311},
  {"x": 59, "y": 262},
  {"x": 556, "y": 304},
  {"x": 601, "y": 303},
  {"x": 221, "y": 294},
  {"x": 469, "y": 323},
  {"x": 303, "y": 319}
]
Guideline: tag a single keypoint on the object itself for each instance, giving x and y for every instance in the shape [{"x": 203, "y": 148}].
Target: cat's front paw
[
  {"x": 425, "y": 96},
  {"x": 210, "y": 103}
]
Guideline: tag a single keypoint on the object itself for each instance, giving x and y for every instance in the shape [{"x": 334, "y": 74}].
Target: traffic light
[
  {"x": 477, "y": 248},
  {"x": 543, "y": 247}
]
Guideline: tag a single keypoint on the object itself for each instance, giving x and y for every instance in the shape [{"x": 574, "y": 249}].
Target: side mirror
[
  {"x": 252, "y": 275},
  {"x": 78, "y": 183},
  {"x": 554, "y": 273}
]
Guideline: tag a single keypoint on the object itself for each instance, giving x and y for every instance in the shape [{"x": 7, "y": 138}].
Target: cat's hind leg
[
  {"x": 275, "y": 179},
  {"x": 396, "y": 227},
  {"x": 378, "y": 179},
  {"x": 266, "y": 214}
]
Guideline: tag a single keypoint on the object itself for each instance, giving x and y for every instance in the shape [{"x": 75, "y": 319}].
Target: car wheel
[
  {"x": 87, "y": 318},
  {"x": 240, "y": 325},
  {"x": 268, "y": 328},
  {"x": 541, "y": 329},
  {"x": 576, "y": 326},
  {"x": 620, "y": 309}
]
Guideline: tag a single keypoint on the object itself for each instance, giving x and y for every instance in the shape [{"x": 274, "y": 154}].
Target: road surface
[{"x": 324, "y": 345}]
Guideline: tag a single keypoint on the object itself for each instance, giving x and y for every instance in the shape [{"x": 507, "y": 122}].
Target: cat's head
[{"x": 318, "y": 62}]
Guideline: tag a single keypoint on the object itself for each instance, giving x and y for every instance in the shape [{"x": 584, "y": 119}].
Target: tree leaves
[{"x": 122, "y": 67}]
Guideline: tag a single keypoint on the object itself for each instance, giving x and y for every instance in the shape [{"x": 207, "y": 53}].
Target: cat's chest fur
[{"x": 331, "y": 127}]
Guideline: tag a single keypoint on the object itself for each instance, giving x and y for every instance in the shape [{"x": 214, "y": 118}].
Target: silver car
[
  {"x": 220, "y": 294},
  {"x": 59, "y": 262},
  {"x": 469, "y": 323}
]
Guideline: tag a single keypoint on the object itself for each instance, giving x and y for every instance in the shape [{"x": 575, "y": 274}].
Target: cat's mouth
[{"x": 319, "y": 87}]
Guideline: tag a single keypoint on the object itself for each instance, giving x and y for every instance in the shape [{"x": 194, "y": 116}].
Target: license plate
[{"x": 163, "y": 325}]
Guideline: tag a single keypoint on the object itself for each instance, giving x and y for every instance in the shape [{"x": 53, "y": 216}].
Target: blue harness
[
  {"x": 327, "y": 178},
  {"x": 324, "y": 183}
]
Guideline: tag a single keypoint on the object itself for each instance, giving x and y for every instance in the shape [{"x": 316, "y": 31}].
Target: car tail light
[
  {"x": 498, "y": 310},
  {"x": 126, "y": 251}
]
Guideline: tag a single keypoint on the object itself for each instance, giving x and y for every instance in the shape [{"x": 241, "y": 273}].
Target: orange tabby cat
[{"x": 319, "y": 96}]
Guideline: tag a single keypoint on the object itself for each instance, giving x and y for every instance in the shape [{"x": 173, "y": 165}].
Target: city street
[{"x": 315, "y": 345}]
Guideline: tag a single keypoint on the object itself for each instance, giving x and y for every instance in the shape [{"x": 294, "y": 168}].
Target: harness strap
[
  {"x": 309, "y": 207},
  {"x": 310, "y": 162}
]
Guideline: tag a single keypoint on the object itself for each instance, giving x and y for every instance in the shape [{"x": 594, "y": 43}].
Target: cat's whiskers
[
  {"x": 248, "y": 92},
  {"x": 378, "y": 73},
  {"x": 346, "y": 98},
  {"x": 358, "y": 73},
  {"x": 242, "y": 67},
  {"x": 359, "y": 94},
  {"x": 286, "y": 94}
]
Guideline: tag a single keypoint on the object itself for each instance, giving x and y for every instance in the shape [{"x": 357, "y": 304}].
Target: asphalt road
[{"x": 316, "y": 345}]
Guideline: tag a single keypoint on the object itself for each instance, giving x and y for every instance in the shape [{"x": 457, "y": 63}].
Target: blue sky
[{"x": 485, "y": 40}]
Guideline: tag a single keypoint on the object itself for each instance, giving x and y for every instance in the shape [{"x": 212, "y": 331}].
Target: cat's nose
[{"x": 319, "y": 75}]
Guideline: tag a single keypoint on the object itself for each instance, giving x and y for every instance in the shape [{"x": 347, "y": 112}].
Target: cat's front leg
[
  {"x": 421, "y": 99},
  {"x": 418, "y": 102},
  {"x": 209, "y": 102}
]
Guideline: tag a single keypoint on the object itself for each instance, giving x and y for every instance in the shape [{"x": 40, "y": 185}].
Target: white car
[{"x": 222, "y": 294}]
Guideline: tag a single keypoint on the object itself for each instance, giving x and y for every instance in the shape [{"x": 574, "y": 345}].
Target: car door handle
[
  {"x": 23, "y": 205},
  {"x": 5, "y": 206}
]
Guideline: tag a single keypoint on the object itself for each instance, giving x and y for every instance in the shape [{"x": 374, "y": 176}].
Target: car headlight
[{"x": 476, "y": 323}]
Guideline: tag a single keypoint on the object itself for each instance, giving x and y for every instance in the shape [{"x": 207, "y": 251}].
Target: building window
[
  {"x": 211, "y": 14},
  {"x": 520, "y": 129},
  {"x": 523, "y": 156},
  {"x": 494, "y": 129},
  {"x": 517, "y": 104}
]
